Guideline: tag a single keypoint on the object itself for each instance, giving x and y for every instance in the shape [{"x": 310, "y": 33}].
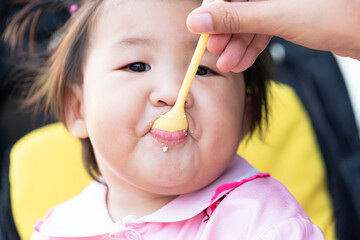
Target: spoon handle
[
  {"x": 194, "y": 64},
  {"x": 193, "y": 67}
]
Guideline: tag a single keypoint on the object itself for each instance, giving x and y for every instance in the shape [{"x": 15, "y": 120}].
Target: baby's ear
[{"x": 74, "y": 115}]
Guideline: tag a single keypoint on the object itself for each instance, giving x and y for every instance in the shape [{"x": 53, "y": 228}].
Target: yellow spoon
[{"x": 175, "y": 119}]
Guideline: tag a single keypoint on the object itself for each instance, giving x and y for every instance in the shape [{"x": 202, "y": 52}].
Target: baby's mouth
[{"x": 166, "y": 137}]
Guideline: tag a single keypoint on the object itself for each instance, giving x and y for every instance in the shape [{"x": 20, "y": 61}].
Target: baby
[{"x": 117, "y": 66}]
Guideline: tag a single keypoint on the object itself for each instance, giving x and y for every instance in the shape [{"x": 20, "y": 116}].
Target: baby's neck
[{"x": 122, "y": 204}]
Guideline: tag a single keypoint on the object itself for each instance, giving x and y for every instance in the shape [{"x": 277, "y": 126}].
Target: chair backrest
[{"x": 45, "y": 169}]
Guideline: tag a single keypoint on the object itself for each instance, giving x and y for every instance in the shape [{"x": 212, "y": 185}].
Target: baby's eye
[
  {"x": 202, "y": 71},
  {"x": 138, "y": 67}
]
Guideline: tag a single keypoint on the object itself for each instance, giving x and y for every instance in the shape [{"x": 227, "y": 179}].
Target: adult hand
[{"x": 241, "y": 30}]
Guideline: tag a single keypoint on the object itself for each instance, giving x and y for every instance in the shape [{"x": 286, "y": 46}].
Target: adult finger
[
  {"x": 263, "y": 17},
  {"x": 253, "y": 50},
  {"x": 234, "y": 52},
  {"x": 217, "y": 43}
]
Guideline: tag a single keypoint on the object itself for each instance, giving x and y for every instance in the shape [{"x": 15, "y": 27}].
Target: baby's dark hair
[{"x": 62, "y": 65}]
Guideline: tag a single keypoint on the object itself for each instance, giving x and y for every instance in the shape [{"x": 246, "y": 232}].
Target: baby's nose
[{"x": 167, "y": 89}]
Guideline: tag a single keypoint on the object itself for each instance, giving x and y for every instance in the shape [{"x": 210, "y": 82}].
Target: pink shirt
[{"x": 242, "y": 204}]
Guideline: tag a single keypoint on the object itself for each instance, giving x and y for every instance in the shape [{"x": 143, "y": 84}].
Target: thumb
[{"x": 236, "y": 17}]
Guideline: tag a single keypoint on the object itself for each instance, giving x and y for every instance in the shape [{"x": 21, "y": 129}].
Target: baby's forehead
[
  {"x": 114, "y": 5},
  {"x": 127, "y": 15},
  {"x": 119, "y": 3}
]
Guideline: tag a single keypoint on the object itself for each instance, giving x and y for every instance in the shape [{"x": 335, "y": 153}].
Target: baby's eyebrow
[
  {"x": 148, "y": 41},
  {"x": 131, "y": 41}
]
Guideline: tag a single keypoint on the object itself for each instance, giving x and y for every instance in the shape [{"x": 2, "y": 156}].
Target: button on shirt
[{"x": 241, "y": 204}]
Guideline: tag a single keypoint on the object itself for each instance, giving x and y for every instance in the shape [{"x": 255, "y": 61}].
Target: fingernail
[{"x": 201, "y": 23}]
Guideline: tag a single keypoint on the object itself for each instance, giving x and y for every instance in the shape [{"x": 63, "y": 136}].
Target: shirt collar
[{"x": 181, "y": 208}]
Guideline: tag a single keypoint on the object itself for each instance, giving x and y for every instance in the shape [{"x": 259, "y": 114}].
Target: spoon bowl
[{"x": 172, "y": 121}]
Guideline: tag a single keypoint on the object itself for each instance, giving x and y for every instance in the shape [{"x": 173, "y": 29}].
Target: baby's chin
[
  {"x": 173, "y": 189},
  {"x": 172, "y": 174},
  {"x": 171, "y": 184}
]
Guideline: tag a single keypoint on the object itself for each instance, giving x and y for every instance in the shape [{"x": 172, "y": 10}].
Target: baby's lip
[{"x": 166, "y": 137}]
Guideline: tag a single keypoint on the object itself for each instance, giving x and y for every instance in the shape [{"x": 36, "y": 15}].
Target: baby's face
[{"x": 138, "y": 56}]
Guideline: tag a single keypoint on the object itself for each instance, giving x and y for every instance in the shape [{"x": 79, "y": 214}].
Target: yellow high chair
[{"x": 46, "y": 167}]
